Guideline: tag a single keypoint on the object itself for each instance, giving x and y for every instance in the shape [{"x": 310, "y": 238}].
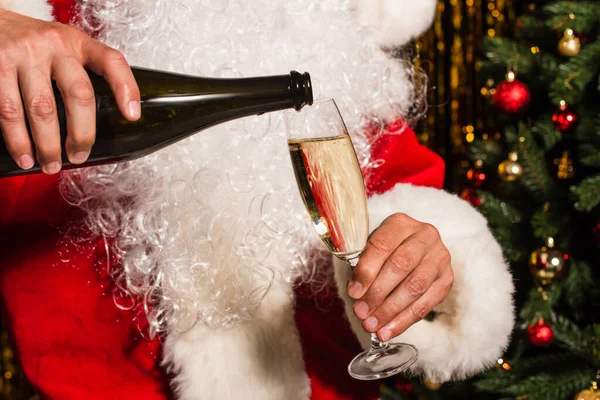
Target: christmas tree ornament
[
  {"x": 564, "y": 119},
  {"x": 512, "y": 96},
  {"x": 565, "y": 166},
  {"x": 403, "y": 385},
  {"x": 547, "y": 264},
  {"x": 569, "y": 45},
  {"x": 476, "y": 176},
  {"x": 540, "y": 334},
  {"x": 431, "y": 385},
  {"x": 510, "y": 170},
  {"x": 596, "y": 232},
  {"x": 471, "y": 197},
  {"x": 589, "y": 394}
]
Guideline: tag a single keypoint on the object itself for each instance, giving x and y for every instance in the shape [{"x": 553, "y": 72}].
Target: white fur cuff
[
  {"x": 472, "y": 326},
  {"x": 39, "y": 9}
]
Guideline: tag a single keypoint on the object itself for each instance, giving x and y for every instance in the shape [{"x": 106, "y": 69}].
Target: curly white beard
[{"x": 205, "y": 226}]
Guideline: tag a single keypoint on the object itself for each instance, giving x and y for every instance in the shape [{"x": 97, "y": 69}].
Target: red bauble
[
  {"x": 564, "y": 119},
  {"x": 540, "y": 334},
  {"x": 476, "y": 176},
  {"x": 404, "y": 386},
  {"x": 512, "y": 97},
  {"x": 470, "y": 196},
  {"x": 596, "y": 231}
]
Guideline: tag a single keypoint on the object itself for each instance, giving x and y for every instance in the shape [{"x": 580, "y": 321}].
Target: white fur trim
[
  {"x": 395, "y": 22},
  {"x": 260, "y": 360},
  {"x": 475, "y": 321},
  {"x": 39, "y": 9}
]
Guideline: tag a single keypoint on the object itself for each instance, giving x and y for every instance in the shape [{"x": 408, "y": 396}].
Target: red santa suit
[{"x": 74, "y": 342}]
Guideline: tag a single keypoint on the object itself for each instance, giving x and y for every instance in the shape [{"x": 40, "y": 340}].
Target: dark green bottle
[{"x": 174, "y": 106}]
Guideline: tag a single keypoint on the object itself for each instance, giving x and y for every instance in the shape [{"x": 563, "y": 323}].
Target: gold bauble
[
  {"x": 569, "y": 45},
  {"x": 510, "y": 170},
  {"x": 547, "y": 264},
  {"x": 433, "y": 386},
  {"x": 587, "y": 395}
]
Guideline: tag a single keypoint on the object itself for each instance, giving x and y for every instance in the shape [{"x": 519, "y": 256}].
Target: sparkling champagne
[
  {"x": 332, "y": 187},
  {"x": 174, "y": 106}
]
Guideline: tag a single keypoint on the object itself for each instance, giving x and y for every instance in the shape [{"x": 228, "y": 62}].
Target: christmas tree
[{"x": 535, "y": 175}]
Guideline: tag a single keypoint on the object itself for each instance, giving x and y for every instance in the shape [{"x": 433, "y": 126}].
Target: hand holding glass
[{"x": 331, "y": 184}]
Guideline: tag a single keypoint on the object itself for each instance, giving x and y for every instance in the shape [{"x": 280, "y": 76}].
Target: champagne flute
[{"x": 332, "y": 188}]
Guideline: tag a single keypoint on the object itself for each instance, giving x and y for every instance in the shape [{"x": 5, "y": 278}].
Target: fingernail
[
  {"x": 385, "y": 335},
  {"x": 361, "y": 309},
  {"x": 25, "y": 161},
  {"x": 371, "y": 323},
  {"x": 52, "y": 168},
  {"x": 134, "y": 109},
  {"x": 80, "y": 157},
  {"x": 354, "y": 289}
]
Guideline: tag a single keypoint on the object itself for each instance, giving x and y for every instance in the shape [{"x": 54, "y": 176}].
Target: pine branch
[
  {"x": 587, "y": 15},
  {"x": 587, "y": 193},
  {"x": 488, "y": 151},
  {"x": 536, "y": 179},
  {"x": 589, "y": 155},
  {"x": 503, "y": 52},
  {"x": 546, "y": 131},
  {"x": 536, "y": 306},
  {"x": 574, "y": 76},
  {"x": 498, "y": 212},
  {"x": 577, "y": 285},
  {"x": 495, "y": 380},
  {"x": 588, "y": 128},
  {"x": 502, "y": 218},
  {"x": 557, "y": 386},
  {"x": 583, "y": 342},
  {"x": 549, "y": 221},
  {"x": 545, "y": 362}
]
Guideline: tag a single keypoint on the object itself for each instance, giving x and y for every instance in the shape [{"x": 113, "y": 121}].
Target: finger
[
  {"x": 40, "y": 106},
  {"x": 382, "y": 242},
  {"x": 111, "y": 64},
  {"x": 80, "y": 106},
  {"x": 419, "y": 309},
  {"x": 395, "y": 269},
  {"x": 409, "y": 291},
  {"x": 12, "y": 120}
]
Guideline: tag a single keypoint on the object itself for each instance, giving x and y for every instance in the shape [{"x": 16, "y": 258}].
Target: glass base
[{"x": 379, "y": 363}]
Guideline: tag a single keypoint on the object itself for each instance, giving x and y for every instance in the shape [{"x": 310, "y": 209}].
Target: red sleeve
[
  {"x": 63, "y": 10},
  {"x": 71, "y": 340},
  {"x": 404, "y": 160}
]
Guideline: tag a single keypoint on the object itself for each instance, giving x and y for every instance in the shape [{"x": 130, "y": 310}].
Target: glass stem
[{"x": 376, "y": 344}]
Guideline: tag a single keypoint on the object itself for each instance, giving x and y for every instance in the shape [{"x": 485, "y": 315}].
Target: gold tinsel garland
[{"x": 448, "y": 54}]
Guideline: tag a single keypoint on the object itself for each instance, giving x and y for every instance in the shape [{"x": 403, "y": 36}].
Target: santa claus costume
[{"x": 194, "y": 273}]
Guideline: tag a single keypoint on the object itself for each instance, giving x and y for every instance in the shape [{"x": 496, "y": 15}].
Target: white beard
[{"x": 217, "y": 218}]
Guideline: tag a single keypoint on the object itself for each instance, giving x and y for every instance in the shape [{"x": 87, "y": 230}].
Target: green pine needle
[
  {"x": 536, "y": 179},
  {"x": 574, "y": 76},
  {"x": 549, "y": 222},
  {"x": 589, "y": 155},
  {"x": 545, "y": 130},
  {"x": 587, "y": 193},
  {"x": 577, "y": 340},
  {"x": 577, "y": 285},
  {"x": 556, "y": 386},
  {"x": 487, "y": 151},
  {"x": 586, "y": 13},
  {"x": 536, "y": 307}
]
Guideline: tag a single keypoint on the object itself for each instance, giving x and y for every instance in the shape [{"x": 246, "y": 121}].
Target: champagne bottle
[{"x": 174, "y": 106}]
